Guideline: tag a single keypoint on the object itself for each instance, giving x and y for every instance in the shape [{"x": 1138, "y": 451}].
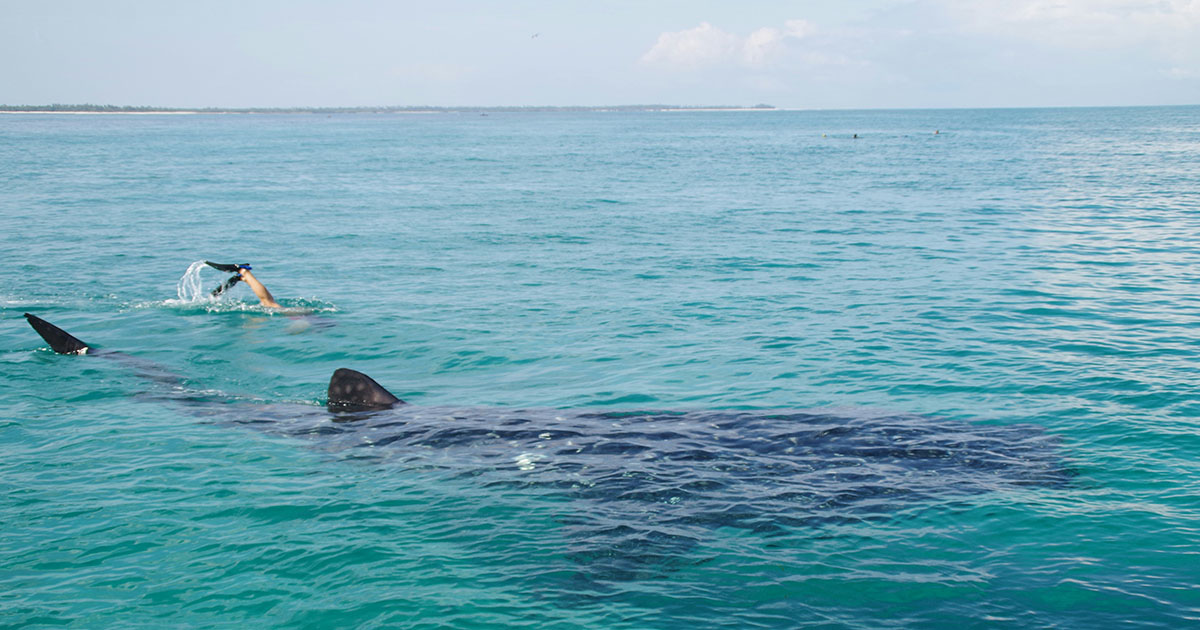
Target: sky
[{"x": 846, "y": 54}]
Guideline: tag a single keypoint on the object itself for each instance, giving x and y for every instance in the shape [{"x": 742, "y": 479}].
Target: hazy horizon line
[{"x": 333, "y": 109}]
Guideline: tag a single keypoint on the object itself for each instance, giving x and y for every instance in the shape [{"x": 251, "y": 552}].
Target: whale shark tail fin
[
  {"x": 60, "y": 341},
  {"x": 354, "y": 391}
]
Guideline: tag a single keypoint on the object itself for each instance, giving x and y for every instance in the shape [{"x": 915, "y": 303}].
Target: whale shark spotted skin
[{"x": 646, "y": 485}]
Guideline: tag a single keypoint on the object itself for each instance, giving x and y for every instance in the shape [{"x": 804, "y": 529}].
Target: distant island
[{"x": 88, "y": 108}]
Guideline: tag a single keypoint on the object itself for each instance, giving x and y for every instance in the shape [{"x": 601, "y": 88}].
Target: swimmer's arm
[{"x": 264, "y": 296}]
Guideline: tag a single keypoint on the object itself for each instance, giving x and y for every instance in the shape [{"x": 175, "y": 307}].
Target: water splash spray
[{"x": 190, "y": 290}]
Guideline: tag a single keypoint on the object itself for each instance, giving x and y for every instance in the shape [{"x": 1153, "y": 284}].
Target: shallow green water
[{"x": 1021, "y": 267}]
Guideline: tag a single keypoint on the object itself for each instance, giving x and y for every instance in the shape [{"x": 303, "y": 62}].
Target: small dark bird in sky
[{"x": 535, "y": 36}]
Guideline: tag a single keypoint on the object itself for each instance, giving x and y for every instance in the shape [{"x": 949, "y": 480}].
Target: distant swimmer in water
[{"x": 244, "y": 275}]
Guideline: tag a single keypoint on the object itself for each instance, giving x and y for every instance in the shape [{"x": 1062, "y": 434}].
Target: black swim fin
[
  {"x": 225, "y": 268},
  {"x": 227, "y": 285},
  {"x": 59, "y": 340},
  {"x": 354, "y": 391}
]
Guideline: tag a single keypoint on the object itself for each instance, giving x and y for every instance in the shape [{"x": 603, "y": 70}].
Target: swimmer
[{"x": 244, "y": 275}]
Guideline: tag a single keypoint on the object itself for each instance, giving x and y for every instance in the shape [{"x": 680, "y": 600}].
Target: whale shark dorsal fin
[
  {"x": 60, "y": 341},
  {"x": 355, "y": 391}
]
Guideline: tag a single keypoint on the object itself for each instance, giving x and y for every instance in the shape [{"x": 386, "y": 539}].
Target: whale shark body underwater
[{"x": 645, "y": 486}]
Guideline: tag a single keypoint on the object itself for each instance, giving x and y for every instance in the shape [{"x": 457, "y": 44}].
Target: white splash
[{"x": 190, "y": 290}]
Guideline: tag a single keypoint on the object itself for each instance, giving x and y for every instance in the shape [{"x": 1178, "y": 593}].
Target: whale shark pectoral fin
[
  {"x": 60, "y": 341},
  {"x": 351, "y": 390}
]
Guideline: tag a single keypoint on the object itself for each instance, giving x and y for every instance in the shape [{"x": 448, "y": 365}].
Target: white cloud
[
  {"x": 1100, "y": 23},
  {"x": 1165, "y": 30},
  {"x": 939, "y": 53},
  {"x": 700, "y": 46},
  {"x": 707, "y": 45},
  {"x": 799, "y": 29},
  {"x": 761, "y": 46}
]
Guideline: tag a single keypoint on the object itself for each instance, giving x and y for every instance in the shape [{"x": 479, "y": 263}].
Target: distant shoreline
[{"x": 141, "y": 110}]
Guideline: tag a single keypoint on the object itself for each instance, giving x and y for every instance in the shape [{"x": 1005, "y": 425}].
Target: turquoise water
[{"x": 1021, "y": 273}]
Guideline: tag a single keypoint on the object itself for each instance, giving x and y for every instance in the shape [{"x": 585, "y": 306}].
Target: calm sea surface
[{"x": 1010, "y": 306}]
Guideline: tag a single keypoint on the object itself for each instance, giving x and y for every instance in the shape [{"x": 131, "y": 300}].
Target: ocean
[{"x": 757, "y": 369}]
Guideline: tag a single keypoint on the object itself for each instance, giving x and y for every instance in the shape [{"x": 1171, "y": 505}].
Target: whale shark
[{"x": 646, "y": 486}]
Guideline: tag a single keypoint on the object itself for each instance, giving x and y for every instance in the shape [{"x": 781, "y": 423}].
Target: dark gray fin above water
[
  {"x": 354, "y": 391},
  {"x": 59, "y": 340}
]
